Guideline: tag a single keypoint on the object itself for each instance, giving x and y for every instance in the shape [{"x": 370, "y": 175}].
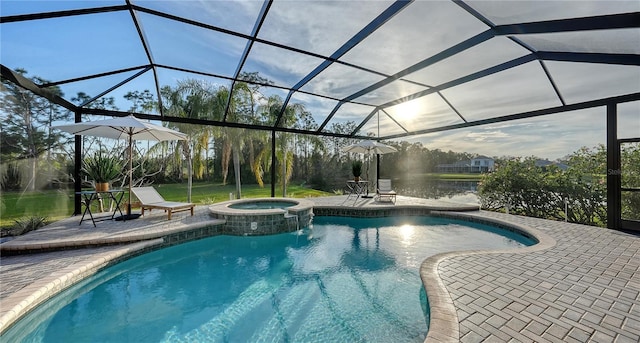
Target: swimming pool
[{"x": 346, "y": 279}]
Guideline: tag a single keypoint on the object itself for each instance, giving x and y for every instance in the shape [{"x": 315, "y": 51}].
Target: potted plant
[
  {"x": 102, "y": 169},
  {"x": 356, "y": 169}
]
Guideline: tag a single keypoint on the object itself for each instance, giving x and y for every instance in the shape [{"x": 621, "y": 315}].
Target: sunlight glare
[
  {"x": 408, "y": 110},
  {"x": 406, "y": 233}
]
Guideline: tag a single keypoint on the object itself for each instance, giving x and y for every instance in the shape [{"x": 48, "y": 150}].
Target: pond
[
  {"x": 459, "y": 191},
  {"x": 419, "y": 186}
]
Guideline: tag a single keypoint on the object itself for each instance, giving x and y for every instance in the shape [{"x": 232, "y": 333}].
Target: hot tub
[
  {"x": 263, "y": 216},
  {"x": 262, "y": 205}
]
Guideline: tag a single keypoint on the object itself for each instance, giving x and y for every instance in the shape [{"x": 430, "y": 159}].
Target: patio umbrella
[
  {"x": 370, "y": 147},
  {"x": 130, "y": 128}
]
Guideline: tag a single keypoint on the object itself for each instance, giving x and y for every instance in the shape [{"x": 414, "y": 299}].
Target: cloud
[
  {"x": 552, "y": 136},
  {"x": 489, "y": 136}
]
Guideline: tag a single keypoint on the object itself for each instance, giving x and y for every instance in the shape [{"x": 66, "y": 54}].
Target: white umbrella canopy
[
  {"x": 370, "y": 147},
  {"x": 123, "y": 127},
  {"x": 130, "y": 128}
]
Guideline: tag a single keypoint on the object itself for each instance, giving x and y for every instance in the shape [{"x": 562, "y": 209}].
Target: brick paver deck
[
  {"x": 582, "y": 284},
  {"x": 586, "y": 288}
]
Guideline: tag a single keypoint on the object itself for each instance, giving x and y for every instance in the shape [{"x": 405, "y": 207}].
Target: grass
[
  {"x": 206, "y": 193},
  {"x": 58, "y": 204}
]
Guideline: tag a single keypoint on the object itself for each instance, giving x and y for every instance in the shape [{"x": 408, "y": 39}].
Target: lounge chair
[
  {"x": 384, "y": 191},
  {"x": 150, "y": 199}
]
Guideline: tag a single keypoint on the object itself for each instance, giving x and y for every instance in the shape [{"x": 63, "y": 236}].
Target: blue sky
[{"x": 67, "y": 48}]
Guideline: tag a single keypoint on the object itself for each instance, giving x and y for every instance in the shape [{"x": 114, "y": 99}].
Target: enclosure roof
[{"x": 391, "y": 68}]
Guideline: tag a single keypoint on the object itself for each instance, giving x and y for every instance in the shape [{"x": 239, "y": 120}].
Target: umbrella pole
[
  {"x": 368, "y": 155},
  {"x": 377, "y": 168},
  {"x": 368, "y": 167},
  {"x": 130, "y": 174}
]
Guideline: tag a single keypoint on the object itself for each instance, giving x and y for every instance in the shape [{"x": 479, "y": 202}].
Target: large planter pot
[{"x": 102, "y": 186}]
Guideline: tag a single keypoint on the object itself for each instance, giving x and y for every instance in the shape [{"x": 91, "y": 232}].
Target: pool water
[
  {"x": 262, "y": 205},
  {"x": 343, "y": 280}
]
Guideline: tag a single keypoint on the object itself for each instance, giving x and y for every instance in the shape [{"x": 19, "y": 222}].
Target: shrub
[
  {"x": 356, "y": 168},
  {"x": 27, "y": 224},
  {"x": 11, "y": 179},
  {"x": 102, "y": 167},
  {"x": 542, "y": 192}
]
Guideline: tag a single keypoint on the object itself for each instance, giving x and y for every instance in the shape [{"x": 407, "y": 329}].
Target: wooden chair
[{"x": 150, "y": 199}]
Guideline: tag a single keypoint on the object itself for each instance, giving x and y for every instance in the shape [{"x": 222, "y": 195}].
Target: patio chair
[
  {"x": 384, "y": 191},
  {"x": 150, "y": 199}
]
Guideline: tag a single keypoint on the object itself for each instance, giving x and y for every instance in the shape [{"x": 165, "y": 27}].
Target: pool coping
[
  {"x": 39, "y": 292},
  {"x": 17, "y": 247},
  {"x": 225, "y": 209}
]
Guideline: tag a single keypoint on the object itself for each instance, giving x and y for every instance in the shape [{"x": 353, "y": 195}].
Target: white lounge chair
[
  {"x": 150, "y": 199},
  {"x": 384, "y": 191}
]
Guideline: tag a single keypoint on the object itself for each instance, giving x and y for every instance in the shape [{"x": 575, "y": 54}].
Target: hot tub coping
[{"x": 297, "y": 206}]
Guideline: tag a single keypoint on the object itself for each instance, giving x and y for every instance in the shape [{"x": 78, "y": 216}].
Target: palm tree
[
  {"x": 306, "y": 144},
  {"x": 232, "y": 140},
  {"x": 197, "y": 100},
  {"x": 284, "y": 149},
  {"x": 242, "y": 108}
]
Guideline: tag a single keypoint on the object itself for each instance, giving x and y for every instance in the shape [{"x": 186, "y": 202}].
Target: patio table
[
  {"x": 357, "y": 188},
  {"x": 89, "y": 196}
]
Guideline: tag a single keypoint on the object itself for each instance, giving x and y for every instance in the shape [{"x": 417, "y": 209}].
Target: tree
[
  {"x": 243, "y": 108},
  {"x": 527, "y": 189},
  {"x": 336, "y": 144},
  {"x": 143, "y": 102},
  {"x": 191, "y": 99},
  {"x": 306, "y": 145},
  {"x": 26, "y": 126},
  {"x": 630, "y": 172},
  {"x": 232, "y": 140},
  {"x": 84, "y": 99},
  {"x": 284, "y": 147},
  {"x": 521, "y": 187},
  {"x": 584, "y": 186}
]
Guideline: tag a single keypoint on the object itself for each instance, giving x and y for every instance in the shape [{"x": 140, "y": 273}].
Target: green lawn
[{"x": 58, "y": 204}]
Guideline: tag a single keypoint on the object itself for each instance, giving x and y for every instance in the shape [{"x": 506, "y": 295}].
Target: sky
[
  {"x": 549, "y": 137},
  {"x": 63, "y": 49}
]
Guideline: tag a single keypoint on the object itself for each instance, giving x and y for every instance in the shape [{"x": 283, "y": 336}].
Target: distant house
[
  {"x": 458, "y": 167},
  {"x": 479, "y": 164},
  {"x": 482, "y": 164}
]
